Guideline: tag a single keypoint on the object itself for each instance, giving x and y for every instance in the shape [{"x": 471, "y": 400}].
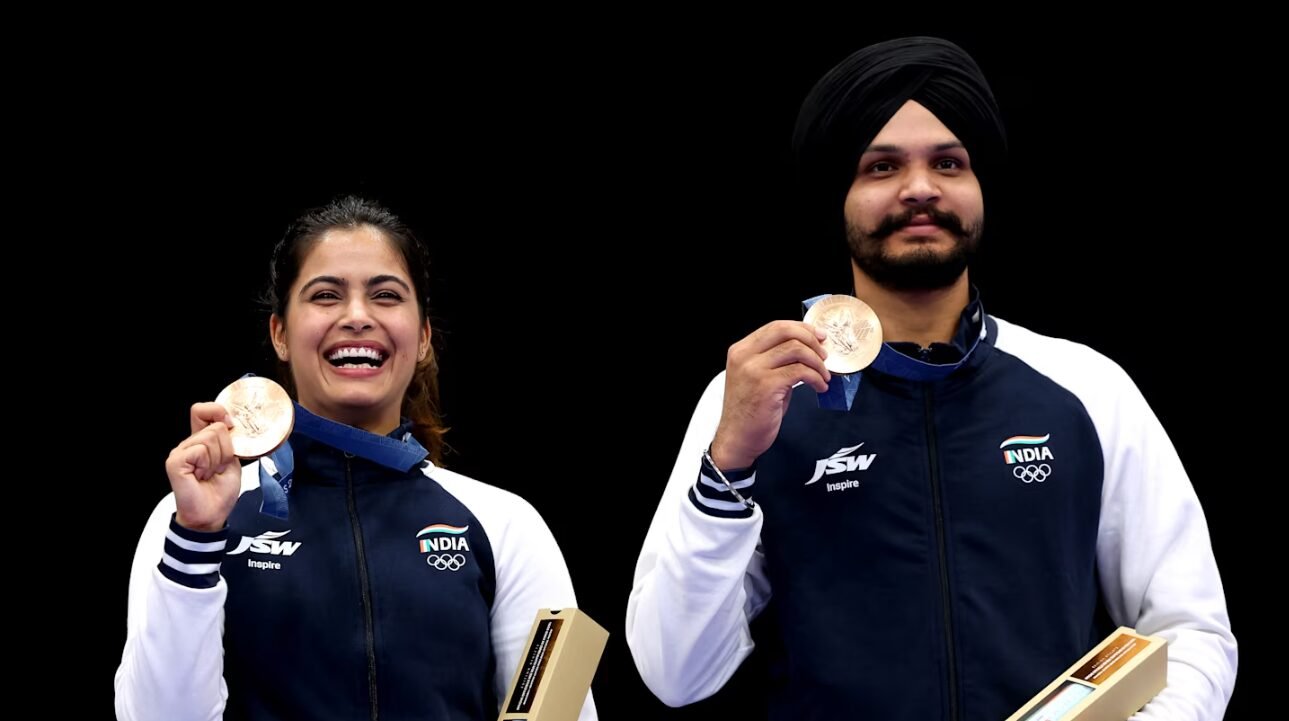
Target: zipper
[
  {"x": 945, "y": 597},
  {"x": 364, "y": 584}
]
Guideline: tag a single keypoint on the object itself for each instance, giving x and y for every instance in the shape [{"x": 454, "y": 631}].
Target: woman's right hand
[{"x": 204, "y": 474}]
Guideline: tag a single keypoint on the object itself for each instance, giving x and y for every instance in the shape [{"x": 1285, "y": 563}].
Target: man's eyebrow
[{"x": 895, "y": 149}]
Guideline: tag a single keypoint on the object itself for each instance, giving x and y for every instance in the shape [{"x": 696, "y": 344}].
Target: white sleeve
[
  {"x": 1157, "y": 567},
  {"x": 173, "y": 664},
  {"x": 1154, "y": 558},
  {"x": 531, "y": 573},
  {"x": 699, "y": 581}
]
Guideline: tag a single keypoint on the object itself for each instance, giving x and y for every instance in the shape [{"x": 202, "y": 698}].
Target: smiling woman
[
  {"x": 379, "y": 545},
  {"x": 349, "y": 323}
]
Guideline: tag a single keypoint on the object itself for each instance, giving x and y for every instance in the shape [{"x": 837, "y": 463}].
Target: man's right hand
[
  {"x": 204, "y": 473},
  {"x": 760, "y": 372}
]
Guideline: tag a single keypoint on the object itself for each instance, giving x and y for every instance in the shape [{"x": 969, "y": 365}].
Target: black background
[{"x": 608, "y": 211}]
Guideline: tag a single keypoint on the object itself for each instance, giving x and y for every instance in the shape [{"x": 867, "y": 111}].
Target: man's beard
[{"x": 921, "y": 268}]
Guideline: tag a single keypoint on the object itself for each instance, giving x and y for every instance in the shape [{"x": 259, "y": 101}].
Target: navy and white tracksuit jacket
[
  {"x": 944, "y": 549},
  {"x": 390, "y": 594}
]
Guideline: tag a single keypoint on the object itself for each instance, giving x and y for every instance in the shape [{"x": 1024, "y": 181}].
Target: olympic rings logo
[
  {"x": 445, "y": 561},
  {"x": 1030, "y": 474}
]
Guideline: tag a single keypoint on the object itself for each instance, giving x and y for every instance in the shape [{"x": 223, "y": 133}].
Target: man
[{"x": 984, "y": 506}]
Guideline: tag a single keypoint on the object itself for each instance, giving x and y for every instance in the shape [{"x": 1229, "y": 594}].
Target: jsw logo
[
  {"x": 841, "y": 462},
  {"x": 265, "y": 543}
]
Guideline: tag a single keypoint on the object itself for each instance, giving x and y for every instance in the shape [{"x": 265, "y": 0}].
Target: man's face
[{"x": 915, "y": 212}]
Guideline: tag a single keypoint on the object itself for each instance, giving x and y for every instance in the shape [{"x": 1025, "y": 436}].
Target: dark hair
[{"x": 421, "y": 401}]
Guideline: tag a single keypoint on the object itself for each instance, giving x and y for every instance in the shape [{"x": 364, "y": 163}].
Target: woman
[{"x": 394, "y": 588}]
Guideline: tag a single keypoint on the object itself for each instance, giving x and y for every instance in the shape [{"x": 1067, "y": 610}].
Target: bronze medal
[
  {"x": 262, "y": 414},
  {"x": 854, "y": 334}
]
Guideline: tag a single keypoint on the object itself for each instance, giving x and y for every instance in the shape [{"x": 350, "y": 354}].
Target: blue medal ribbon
[
  {"x": 277, "y": 469},
  {"x": 840, "y": 395}
]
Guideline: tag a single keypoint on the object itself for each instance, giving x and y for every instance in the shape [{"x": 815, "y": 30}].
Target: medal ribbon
[
  {"x": 840, "y": 395},
  {"x": 277, "y": 469}
]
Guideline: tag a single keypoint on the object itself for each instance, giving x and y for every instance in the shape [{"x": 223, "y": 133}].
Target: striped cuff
[
  {"x": 192, "y": 558},
  {"x": 713, "y": 498}
]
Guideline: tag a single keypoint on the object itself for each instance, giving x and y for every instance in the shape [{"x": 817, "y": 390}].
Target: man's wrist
[
  {"x": 728, "y": 461},
  {"x": 728, "y": 480}
]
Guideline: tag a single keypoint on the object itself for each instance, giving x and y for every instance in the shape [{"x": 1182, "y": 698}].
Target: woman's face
[{"x": 353, "y": 331}]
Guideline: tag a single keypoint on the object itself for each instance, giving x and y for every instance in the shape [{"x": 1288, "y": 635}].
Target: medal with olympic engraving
[
  {"x": 854, "y": 334},
  {"x": 262, "y": 412}
]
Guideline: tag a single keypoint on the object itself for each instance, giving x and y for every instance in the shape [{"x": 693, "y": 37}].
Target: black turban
[{"x": 853, "y": 101}]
